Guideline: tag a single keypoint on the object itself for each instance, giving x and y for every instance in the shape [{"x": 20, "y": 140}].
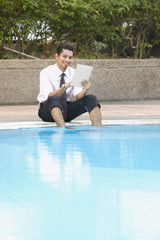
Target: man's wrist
[
  {"x": 85, "y": 90},
  {"x": 63, "y": 87}
]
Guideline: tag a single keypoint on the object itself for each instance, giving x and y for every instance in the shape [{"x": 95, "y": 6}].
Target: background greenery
[{"x": 97, "y": 28}]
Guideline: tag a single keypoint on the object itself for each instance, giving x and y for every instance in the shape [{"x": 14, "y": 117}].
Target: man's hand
[
  {"x": 86, "y": 84},
  {"x": 67, "y": 85}
]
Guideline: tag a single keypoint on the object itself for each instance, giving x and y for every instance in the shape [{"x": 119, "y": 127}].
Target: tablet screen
[{"x": 82, "y": 72}]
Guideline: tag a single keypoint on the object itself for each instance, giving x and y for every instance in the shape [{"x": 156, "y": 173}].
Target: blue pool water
[{"x": 83, "y": 183}]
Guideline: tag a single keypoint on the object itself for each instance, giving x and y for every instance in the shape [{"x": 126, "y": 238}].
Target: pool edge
[{"x": 39, "y": 124}]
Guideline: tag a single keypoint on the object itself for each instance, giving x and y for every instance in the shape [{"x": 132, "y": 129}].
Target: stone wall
[{"x": 112, "y": 80}]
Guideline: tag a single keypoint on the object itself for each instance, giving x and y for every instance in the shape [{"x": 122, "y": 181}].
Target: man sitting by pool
[{"x": 56, "y": 91}]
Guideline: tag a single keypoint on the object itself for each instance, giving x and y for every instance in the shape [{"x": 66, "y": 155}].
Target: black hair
[{"x": 64, "y": 46}]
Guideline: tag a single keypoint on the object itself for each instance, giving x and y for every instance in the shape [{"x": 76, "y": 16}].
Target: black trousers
[{"x": 74, "y": 109}]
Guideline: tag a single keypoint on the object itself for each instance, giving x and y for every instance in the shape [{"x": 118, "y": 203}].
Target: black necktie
[{"x": 63, "y": 98}]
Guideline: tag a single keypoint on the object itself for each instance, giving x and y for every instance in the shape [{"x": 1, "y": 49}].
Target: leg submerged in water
[
  {"x": 58, "y": 117},
  {"x": 95, "y": 117}
]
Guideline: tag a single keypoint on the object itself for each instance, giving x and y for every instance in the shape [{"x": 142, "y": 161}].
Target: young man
[{"x": 56, "y": 91}]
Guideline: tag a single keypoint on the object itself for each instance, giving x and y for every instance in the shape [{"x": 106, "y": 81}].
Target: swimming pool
[{"x": 82, "y": 183}]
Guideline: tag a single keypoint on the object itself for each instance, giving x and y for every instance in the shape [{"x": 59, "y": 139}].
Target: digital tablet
[{"x": 82, "y": 72}]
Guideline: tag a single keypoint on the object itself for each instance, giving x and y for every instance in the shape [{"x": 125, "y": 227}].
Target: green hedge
[{"x": 117, "y": 28}]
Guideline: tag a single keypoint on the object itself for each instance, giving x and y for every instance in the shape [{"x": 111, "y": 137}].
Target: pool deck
[{"x": 112, "y": 113}]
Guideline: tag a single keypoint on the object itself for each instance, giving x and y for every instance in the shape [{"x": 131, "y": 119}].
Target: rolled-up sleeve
[{"x": 76, "y": 90}]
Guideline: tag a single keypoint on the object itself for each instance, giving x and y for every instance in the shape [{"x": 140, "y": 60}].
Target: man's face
[{"x": 64, "y": 59}]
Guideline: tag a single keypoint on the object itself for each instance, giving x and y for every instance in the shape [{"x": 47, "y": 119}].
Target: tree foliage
[{"x": 118, "y": 28}]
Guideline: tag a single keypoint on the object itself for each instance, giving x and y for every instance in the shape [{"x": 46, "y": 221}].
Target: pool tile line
[{"x": 39, "y": 124}]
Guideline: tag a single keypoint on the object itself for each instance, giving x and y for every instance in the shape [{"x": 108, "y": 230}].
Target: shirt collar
[{"x": 59, "y": 72}]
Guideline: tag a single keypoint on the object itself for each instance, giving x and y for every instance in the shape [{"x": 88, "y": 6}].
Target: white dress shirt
[{"x": 50, "y": 80}]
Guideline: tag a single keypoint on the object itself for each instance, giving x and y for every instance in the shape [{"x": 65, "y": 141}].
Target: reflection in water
[
  {"x": 62, "y": 161},
  {"x": 86, "y": 183}
]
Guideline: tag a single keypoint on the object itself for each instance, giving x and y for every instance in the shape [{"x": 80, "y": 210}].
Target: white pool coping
[{"x": 38, "y": 124}]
